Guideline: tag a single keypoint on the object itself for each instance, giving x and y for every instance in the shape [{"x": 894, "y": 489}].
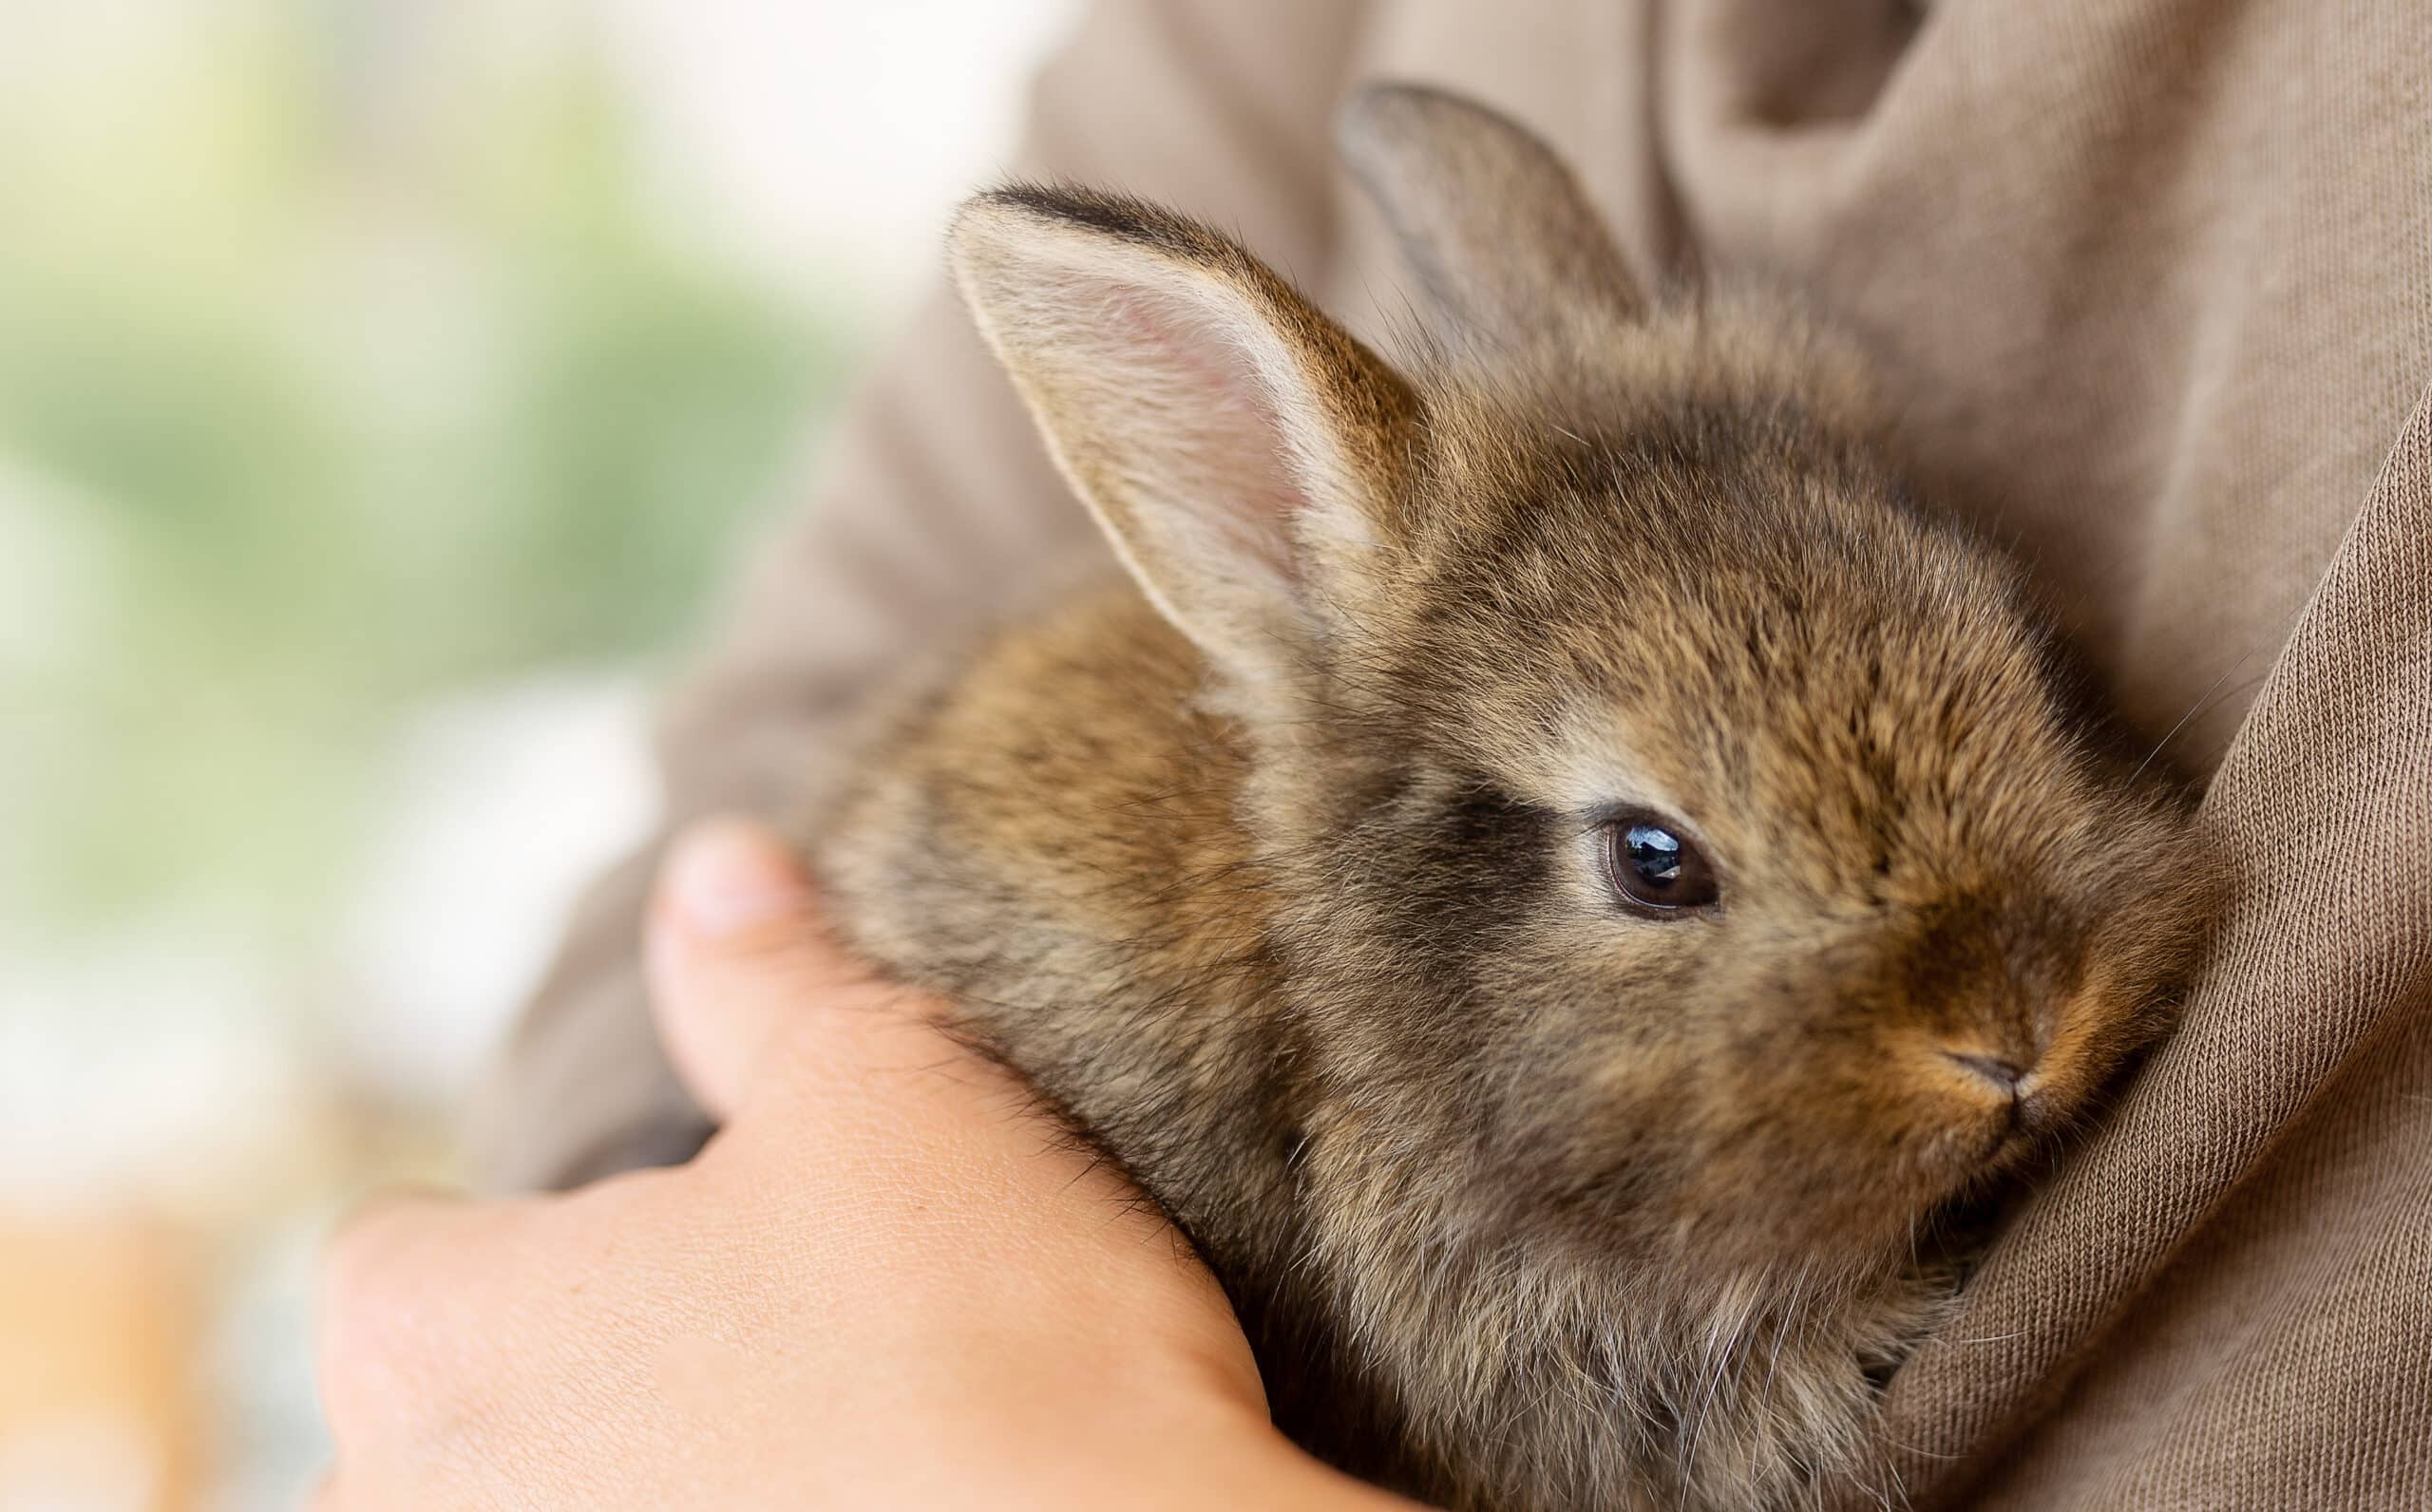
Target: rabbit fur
[{"x": 1282, "y": 868}]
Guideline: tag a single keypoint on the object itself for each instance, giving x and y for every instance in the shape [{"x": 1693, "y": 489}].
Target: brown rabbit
[{"x": 1556, "y": 876}]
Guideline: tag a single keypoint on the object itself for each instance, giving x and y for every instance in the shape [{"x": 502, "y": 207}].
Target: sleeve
[{"x": 936, "y": 505}]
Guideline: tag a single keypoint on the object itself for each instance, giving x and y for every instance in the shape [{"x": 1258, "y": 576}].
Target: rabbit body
[{"x": 1285, "y": 870}]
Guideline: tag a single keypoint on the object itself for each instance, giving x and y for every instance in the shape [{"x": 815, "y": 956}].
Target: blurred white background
[{"x": 383, "y": 385}]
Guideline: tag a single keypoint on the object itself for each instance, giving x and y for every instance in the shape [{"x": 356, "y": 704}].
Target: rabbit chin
[{"x": 1852, "y": 1206}]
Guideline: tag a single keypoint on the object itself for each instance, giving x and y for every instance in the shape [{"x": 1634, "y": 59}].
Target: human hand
[{"x": 885, "y": 1282}]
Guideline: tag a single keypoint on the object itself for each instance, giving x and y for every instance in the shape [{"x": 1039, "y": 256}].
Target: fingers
[
  {"x": 384, "y": 1234},
  {"x": 381, "y": 1263},
  {"x": 737, "y": 951}
]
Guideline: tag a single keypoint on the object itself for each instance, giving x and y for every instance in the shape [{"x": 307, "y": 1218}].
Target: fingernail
[{"x": 729, "y": 875}]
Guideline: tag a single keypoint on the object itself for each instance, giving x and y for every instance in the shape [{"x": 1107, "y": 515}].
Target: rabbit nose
[{"x": 1998, "y": 1072}]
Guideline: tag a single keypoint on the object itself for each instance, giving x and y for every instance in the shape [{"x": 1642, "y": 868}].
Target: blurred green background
[
  {"x": 336, "y": 404},
  {"x": 385, "y": 384}
]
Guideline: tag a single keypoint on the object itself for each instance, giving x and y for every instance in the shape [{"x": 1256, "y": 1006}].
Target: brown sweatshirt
[{"x": 2151, "y": 284}]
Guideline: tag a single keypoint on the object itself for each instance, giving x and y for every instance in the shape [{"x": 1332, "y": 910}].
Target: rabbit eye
[{"x": 1655, "y": 867}]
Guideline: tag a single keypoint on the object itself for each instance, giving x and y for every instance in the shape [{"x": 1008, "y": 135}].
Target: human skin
[{"x": 885, "y": 1282}]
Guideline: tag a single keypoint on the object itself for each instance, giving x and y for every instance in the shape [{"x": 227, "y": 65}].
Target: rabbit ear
[
  {"x": 1508, "y": 245},
  {"x": 1239, "y": 448}
]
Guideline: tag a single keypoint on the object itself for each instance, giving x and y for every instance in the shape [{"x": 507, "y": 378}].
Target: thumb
[{"x": 737, "y": 949}]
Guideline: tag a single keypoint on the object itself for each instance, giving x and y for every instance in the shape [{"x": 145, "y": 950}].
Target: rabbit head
[{"x": 1684, "y": 848}]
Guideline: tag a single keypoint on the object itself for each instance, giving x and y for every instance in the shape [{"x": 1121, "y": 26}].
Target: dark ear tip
[
  {"x": 1030, "y": 199},
  {"x": 1038, "y": 196},
  {"x": 1072, "y": 206}
]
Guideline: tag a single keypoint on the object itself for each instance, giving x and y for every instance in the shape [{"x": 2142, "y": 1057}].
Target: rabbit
[{"x": 1552, "y": 868}]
